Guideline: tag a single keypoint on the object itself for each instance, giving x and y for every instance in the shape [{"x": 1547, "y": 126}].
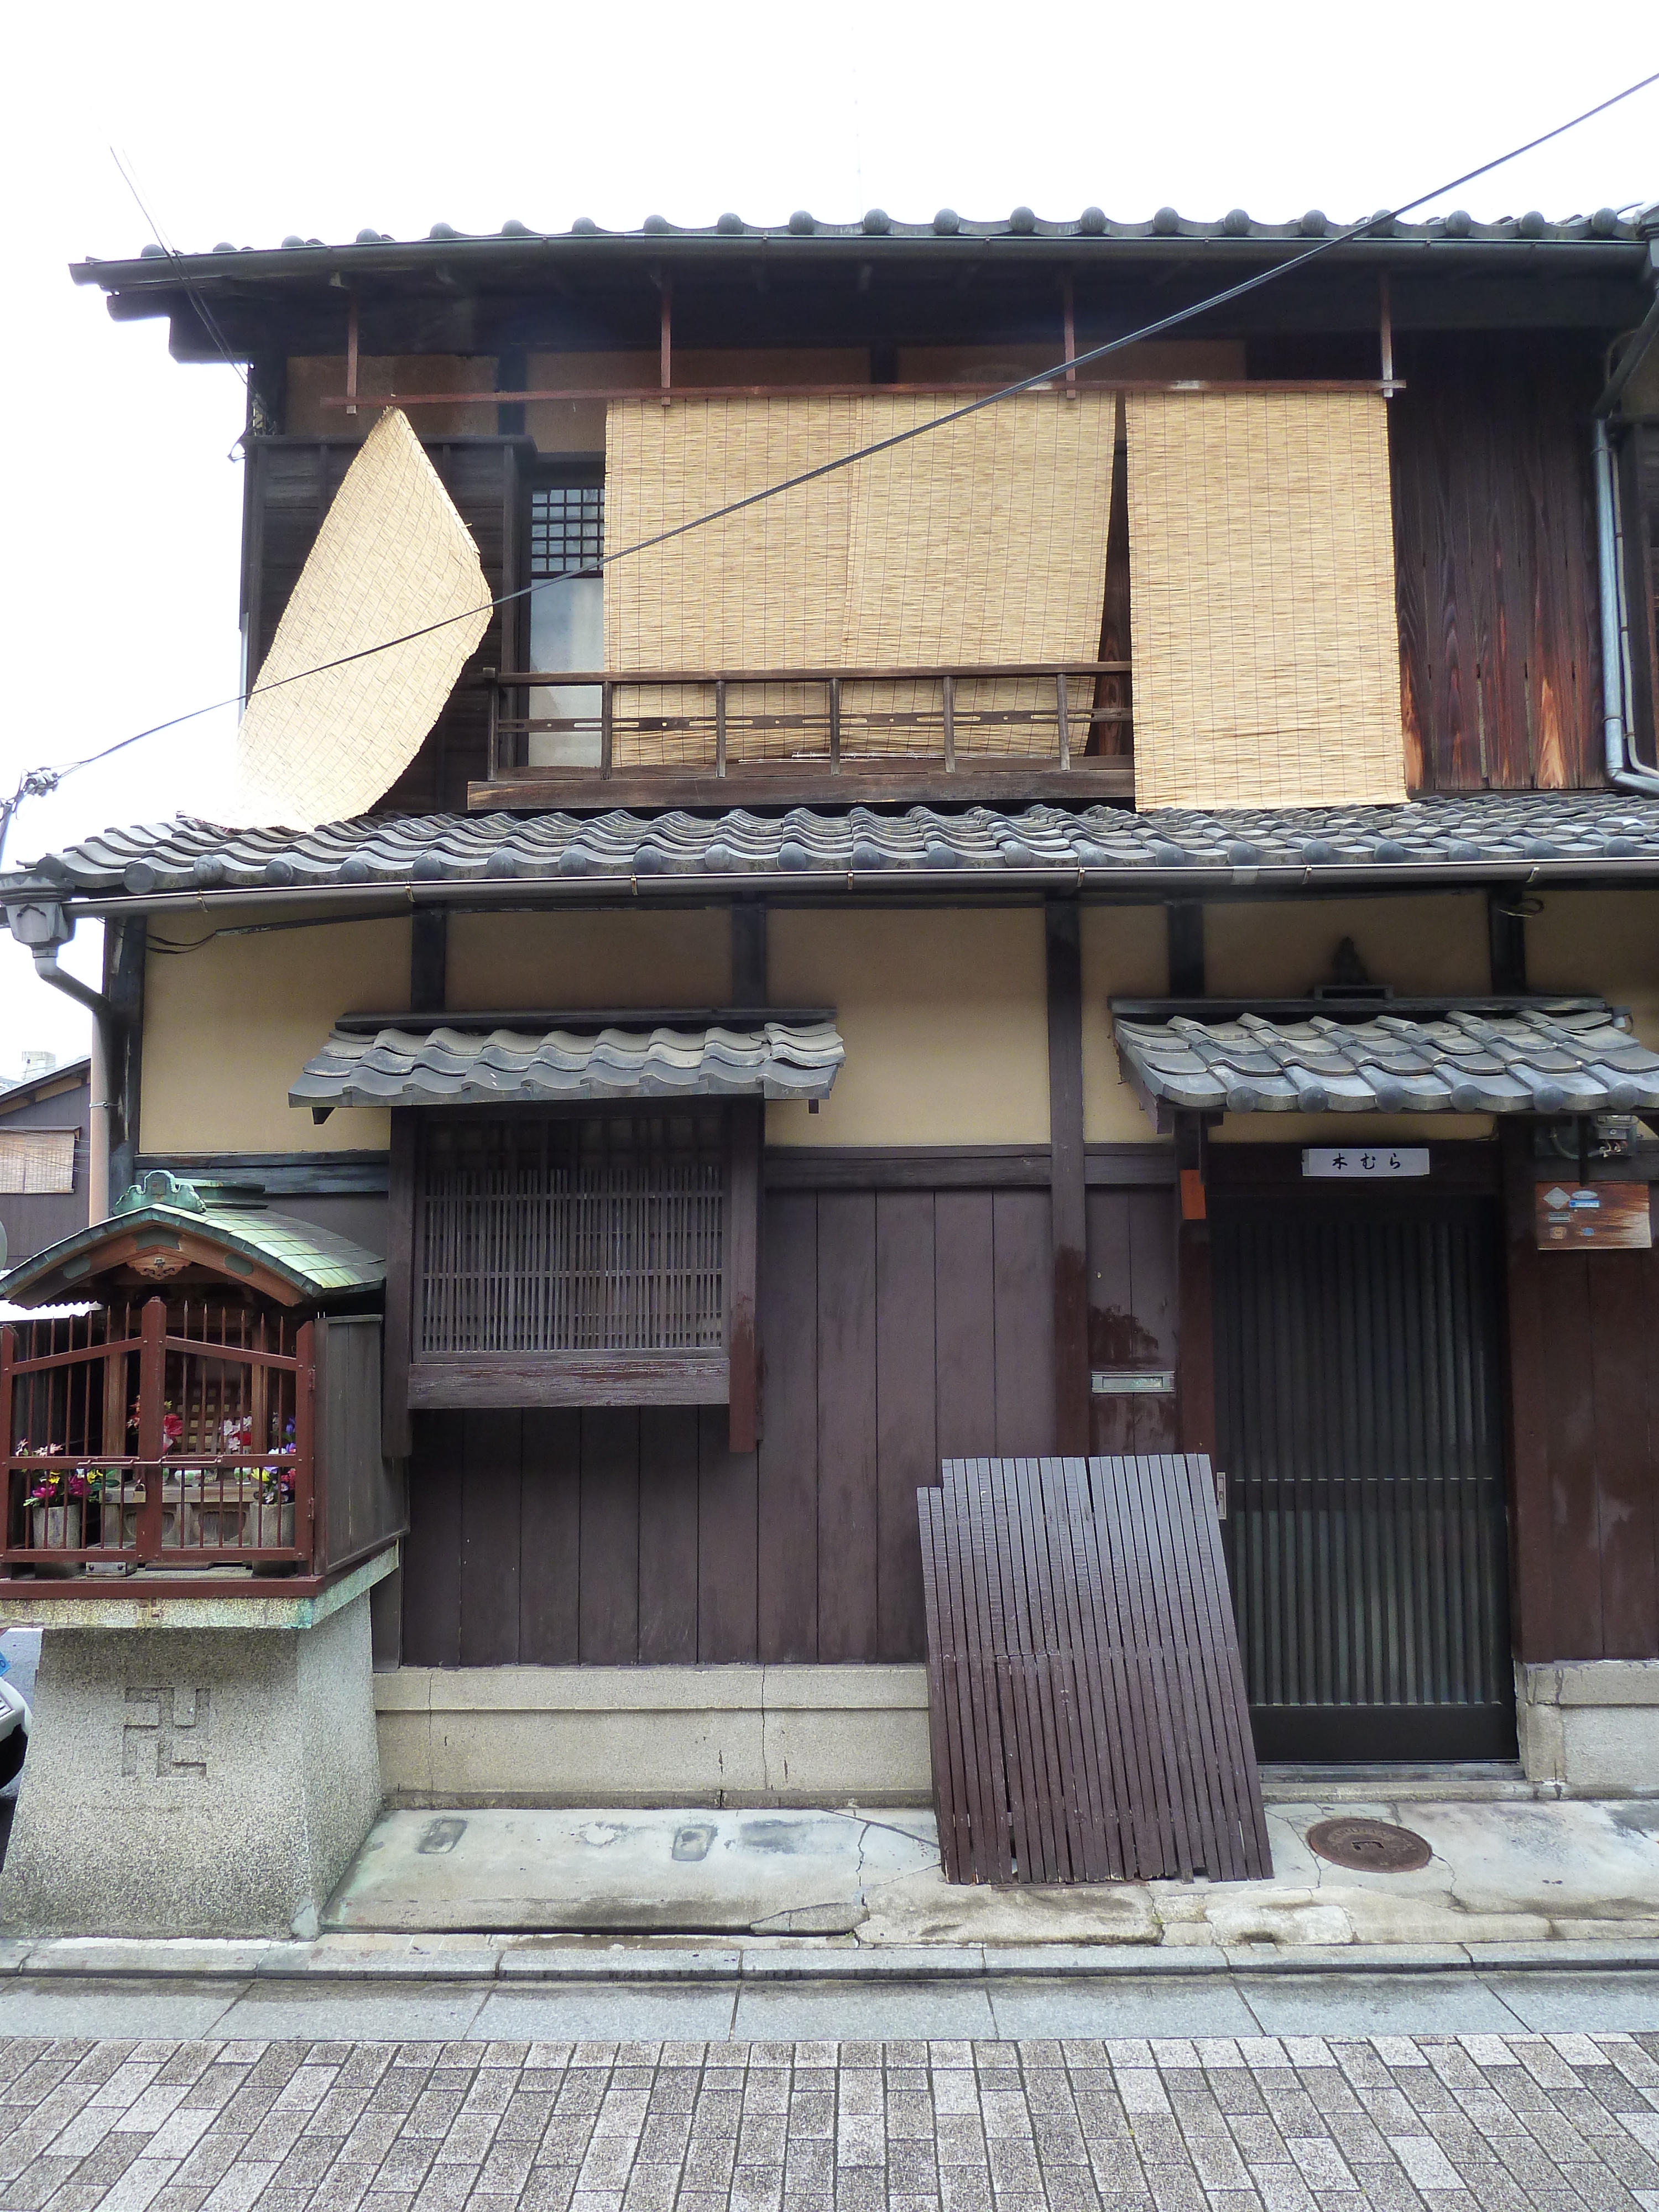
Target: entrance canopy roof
[
  {"x": 1549, "y": 1056},
  {"x": 164, "y": 1229},
  {"x": 562, "y": 1065}
]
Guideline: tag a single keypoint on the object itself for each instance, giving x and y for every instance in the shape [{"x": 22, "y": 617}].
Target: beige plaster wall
[
  {"x": 229, "y": 1025},
  {"x": 945, "y": 1018},
  {"x": 1603, "y": 941},
  {"x": 1125, "y": 954},
  {"x": 619, "y": 958},
  {"x": 1431, "y": 947}
]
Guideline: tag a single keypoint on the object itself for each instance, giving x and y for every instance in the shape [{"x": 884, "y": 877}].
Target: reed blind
[
  {"x": 605, "y": 1234},
  {"x": 37, "y": 1161},
  {"x": 1266, "y": 659},
  {"x": 983, "y": 541}
]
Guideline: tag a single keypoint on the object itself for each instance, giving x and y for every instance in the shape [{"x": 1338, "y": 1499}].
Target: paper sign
[
  {"x": 1365, "y": 1160},
  {"x": 1596, "y": 1216}
]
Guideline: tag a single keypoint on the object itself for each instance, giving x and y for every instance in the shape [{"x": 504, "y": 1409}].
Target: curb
[{"x": 219, "y": 1960}]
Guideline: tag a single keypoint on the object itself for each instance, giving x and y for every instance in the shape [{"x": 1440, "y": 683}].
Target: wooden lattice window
[
  {"x": 605, "y": 1234},
  {"x": 603, "y": 1258}
]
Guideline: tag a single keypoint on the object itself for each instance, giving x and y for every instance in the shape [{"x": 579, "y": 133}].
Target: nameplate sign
[{"x": 1367, "y": 1162}]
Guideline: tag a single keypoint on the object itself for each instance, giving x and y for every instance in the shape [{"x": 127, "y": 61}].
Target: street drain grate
[{"x": 1368, "y": 1846}]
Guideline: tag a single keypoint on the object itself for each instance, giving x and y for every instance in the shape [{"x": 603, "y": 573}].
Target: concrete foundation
[
  {"x": 193, "y": 1781},
  {"x": 654, "y": 1735},
  {"x": 1591, "y": 1725}
]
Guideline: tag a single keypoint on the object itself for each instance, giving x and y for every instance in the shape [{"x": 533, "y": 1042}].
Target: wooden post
[
  {"x": 1532, "y": 1623},
  {"x": 152, "y": 1385},
  {"x": 1068, "y": 294},
  {"x": 1183, "y": 923},
  {"x": 8, "y": 1534},
  {"x": 1506, "y": 939},
  {"x": 428, "y": 959},
  {"x": 352, "y": 350},
  {"x": 400, "y": 1285},
  {"x": 667, "y": 283},
  {"x": 749, "y": 981},
  {"x": 1062, "y": 920},
  {"x": 306, "y": 1516},
  {"x": 950, "y": 693},
  {"x": 742, "y": 1275},
  {"x": 1195, "y": 1345},
  {"x": 126, "y": 945}
]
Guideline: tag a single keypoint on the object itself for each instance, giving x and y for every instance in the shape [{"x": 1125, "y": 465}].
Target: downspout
[
  {"x": 43, "y": 929},
  {"x": 1615, "y": 735}
]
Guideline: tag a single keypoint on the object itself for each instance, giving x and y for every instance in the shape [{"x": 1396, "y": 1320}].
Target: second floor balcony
[{"x": 770, "y": 736}]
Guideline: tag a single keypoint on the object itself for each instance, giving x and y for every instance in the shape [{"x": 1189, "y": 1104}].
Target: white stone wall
[
  {"x": 1589, "y": 1725},
  {"x": 654, "y": 1735}
]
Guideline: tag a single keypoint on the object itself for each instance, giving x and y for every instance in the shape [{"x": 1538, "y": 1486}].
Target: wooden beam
[
  {"x": 428, "y": 960},
  {"x": 1195, "y": 1343},
  {"x": 749, "y": 953},
  {"x": 397, "y": 1440},
  {"x": 1097, "y": 779},
  {"x": 126, "y": 945},
  {"x": 746, "y": 1125},
  {"x": 1062, "y": 930},
  {"x": 467, "y": 1380}
]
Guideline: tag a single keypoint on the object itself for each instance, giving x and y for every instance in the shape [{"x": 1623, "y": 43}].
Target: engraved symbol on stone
[{"x": 179, "y": 1732}]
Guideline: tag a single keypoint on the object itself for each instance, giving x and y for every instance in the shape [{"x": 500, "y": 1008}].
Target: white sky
[{"x": 119, "y": 562}]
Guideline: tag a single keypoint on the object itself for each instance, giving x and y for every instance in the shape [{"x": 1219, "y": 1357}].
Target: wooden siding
[
  {"x": 291, "y": 481},
  {"x": 1132, "y": 1314},
  {"x": 898, "y": 1326},
  {"x": 1495, "y": 562},
  {"x": 1584, "y": 1435}
]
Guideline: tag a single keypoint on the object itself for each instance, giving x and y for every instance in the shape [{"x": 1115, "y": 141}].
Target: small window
[
  {"x": 567, "y": 618},
  {"x": 37, "y": 1162},
  {"x": 601, "y": 1236}
]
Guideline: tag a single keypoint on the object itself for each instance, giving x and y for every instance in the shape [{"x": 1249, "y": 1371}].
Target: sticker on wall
[
  {"x": 1596, "y": 1216},
  {"x": 1365, "y": 1160}
]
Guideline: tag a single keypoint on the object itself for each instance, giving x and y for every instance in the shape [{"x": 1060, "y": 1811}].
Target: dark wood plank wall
[
  {"x": 1133, "y": 1308},
  {"x": 1495, "y": 561},
  {"x": 899, "y": 1327},
  {"x": 1584, "y": 1434},
  {"x": 290, "y": 484}
]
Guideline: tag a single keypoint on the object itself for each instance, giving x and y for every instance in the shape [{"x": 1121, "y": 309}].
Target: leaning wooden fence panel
[{"x": 1086, "y": 1698}]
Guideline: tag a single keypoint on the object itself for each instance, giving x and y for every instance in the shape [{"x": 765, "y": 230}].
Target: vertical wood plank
[
  {"x": 1117, "y": 1339},
  {"x": 608, "y": 1598},
  {"x": 490, "y": 1537},
  {"x": 399, "y": 1285},
  {"x": 1067, "y": 1226},
  {"x": 728, "y": 1630},
  {"x": 848, "y": 1519},
  {"x": 786, "y": 1504},
  {"x": 1621, "y": 1315},
  {"x": 1195, "y": 1359},
  {"x": 965, "y": 1329},
  {"x": 1153, "y": 1291},
  {"x": 742, "y": 1267},
  {"x": 432, "y": 1553},
  {"x": 907, "y": 1456},
  {"x": 1574, "y": 1545},
  {"x": 1023, "y": 1265},
  {"x": 549, "y": 1534},
  {"x": 668, "y": 1536}
]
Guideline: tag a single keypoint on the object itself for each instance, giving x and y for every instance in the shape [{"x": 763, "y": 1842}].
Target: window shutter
[{"x": 1266, "y": 659}]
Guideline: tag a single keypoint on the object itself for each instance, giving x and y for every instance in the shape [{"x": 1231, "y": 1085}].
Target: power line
[{"x": 37, "y": 782}]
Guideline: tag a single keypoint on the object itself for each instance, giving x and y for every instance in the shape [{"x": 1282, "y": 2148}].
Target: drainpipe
[
  {"x": 1614, "y": 733},
  {"x": 43, "y": 929}
]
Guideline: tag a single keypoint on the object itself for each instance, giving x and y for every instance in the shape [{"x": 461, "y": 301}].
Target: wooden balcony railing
[
  {"x": 136, "y": 1437},
  {"x": 775, "y": 736}
]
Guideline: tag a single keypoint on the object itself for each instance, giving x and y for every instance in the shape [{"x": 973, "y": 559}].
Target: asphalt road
[{"x": 290, "y": 2122}]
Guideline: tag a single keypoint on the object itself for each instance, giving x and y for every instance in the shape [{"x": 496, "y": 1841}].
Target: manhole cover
[{"x": 1369, "y": 1847}]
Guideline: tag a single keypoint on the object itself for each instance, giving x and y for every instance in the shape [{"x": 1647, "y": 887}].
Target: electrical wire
[
  {"x": 32, "y": 785},
  {"x": 209, "y": 322}
]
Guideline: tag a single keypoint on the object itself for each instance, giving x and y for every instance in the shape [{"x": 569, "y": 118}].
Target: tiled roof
[
  {"x": 1569, "y": 1059},
  {"x": 1551, "y": 834},
  {"x": 316, "y": 1263},
  {"x": 451, "y": 1067},
  {"x": 875, "y": 226}
]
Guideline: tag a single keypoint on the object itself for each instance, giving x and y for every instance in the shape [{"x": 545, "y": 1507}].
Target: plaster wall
[
  {"x": 1605, "y": 941},
  {"x": 1125, "y": 954},
  {"x": 229, "y": 1025},
  {"x": 1429, "y": 947},
  {"x": 945, "y": 1017},
  {"x": 624, "y": 958}
]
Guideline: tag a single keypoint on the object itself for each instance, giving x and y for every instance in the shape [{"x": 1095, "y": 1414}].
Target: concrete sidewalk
[{"x": 1503, "y": 1870}]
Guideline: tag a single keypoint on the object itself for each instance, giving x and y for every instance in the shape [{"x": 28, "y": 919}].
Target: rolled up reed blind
[
  {"x": 37, "y": 1161},
  {"x": 1267, "y": 664},
  {"x": 983, "y": 541}
]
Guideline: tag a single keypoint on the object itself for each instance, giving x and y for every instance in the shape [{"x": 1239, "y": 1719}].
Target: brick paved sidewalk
[{"x": 1539, "y": 2123}]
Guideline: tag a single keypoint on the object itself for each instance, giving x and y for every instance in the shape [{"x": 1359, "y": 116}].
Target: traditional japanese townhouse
[
  {"x": 45, "y": 1157},
  {"x": 1125, "y": 919}
]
